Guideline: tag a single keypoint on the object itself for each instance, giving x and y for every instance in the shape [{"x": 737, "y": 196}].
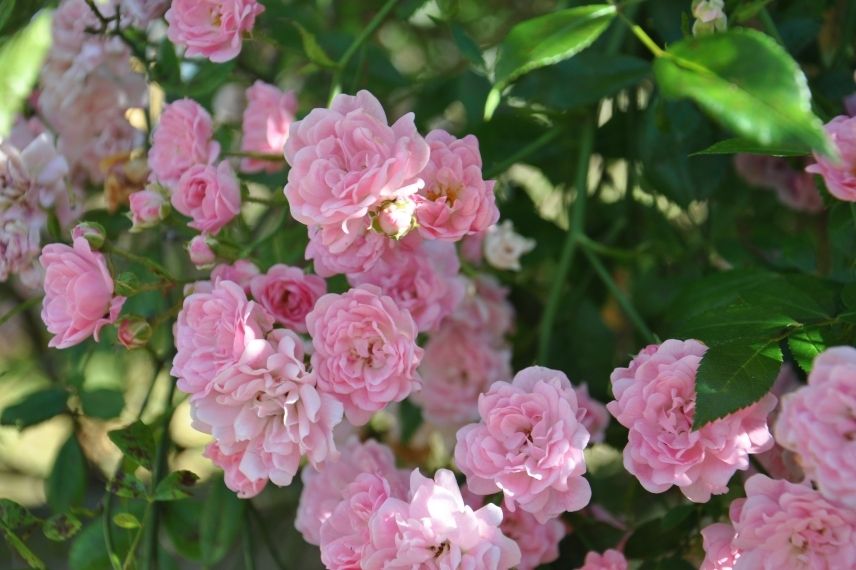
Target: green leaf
[
  {"x": 748, "y": 10},
  {"x": 126, "y": 520},
  {"x": 735, "y": 145},
  {"x": 167, "y": 69},
  {"x": 14, "y": 516},
  {"x": 21, "y": 60},
  {"x": 66, "y": 485},
  {"x": 805, "y": 345},
  {"x": 126, "y": 485},
  {"x": 222, "y": 519},
  {"x": 89, "y": 552},
  {"x": 35, "y": 408},
  {"x": 137, "y": 442},
  {"x": 733, "y": 376},
  {"x": 749, "y": 83},
  {"x": 467, "y": 45},
  {"x": 174, "y": 486},
  {"x": 182, "y": 525},
  {"x": 103, "y": 403},
  {"x": 654, "y": 538},
  {"x": 23, "y": 551},
  {"x": 6, "y": 9},
  {"x": 313, "y": 49},
  {"x": 208, "y": 78},
  {"x": 61, "y": 527}
]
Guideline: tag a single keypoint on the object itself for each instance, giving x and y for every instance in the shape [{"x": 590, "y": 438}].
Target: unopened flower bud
[
  {"x": 92, "y": 232},
  {"x": 201, "y": 254},
  {"x": 133, "y": 332},
  {"x": 395, "y": 218},
  {"x": 709, "y": 17},
  {"x": 148, "y": 208}
]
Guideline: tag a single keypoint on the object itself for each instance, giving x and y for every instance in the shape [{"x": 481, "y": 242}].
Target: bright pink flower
[
  {"x": 365, "y": 350},
  {"x": 456, "y": 200},
  {"x": 719, "y": 550},
  {"x": 79, "y": 299},
  {"x": 435, "y": 530},
  {"x": 288, "y": 294},
  {"x": 345, "y": 160},
  {"x": 324, "y": 490},
  {"x": 241, "y": 272},
  {"x": 655, "y": 399},
  {"x": 457, "y": 367},
  {"x": 596, "y": 416},
  {"x": 267, "y": 116},
  {"x": 210, "y": 195},
  {"x": 349, "y": 247},
  {"x": 200, "y": 252},
  {"x": 211, "y": 332},
  {"x": 529, "y": 445},
  {"x": 818, "y": 423},
  {"x": 211, "y": 28},
  {"x": 424, "y": 280},
  {"x": 183, "y": 138},
  {"x": 609, "y": 560},
  {"x": 786, "y": 526},
  {"x": 148, "y": 208},
  {"x": 539, "y": 543},
  {"x": 839, "y": 174},
  {"x": 267, "y": 407}
]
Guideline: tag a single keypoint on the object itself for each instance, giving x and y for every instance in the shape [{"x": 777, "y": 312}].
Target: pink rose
[
  {"x": 347, "y": 159},
  {"x": 457, "y": 367},
  {"x": 349, "y": 247},
  {"x": 365, "y": 350},
  {"x": 485, "y": 308},
  {"x": 267, "y": 407},
  {"x": 211, "y": 332},
  {"x": 424, "y": 280},
  {"x": 148, "y": 208},
  {"x": 596, "y": 416},
  {"x": 839, "y": 175},
  {"x": 211, "y": 28},
  {"x": 529, "y": 445},
  {"x": 288, "y": 294},
  {"x": 786, "y": 526},
  {"x": 233, "y": 476},
  {"x": 200, "y": 252},
  {"x": 324, "y": 490},
  {"x": 241, "y": 272},
  {"x": 141, "y": 12},
  {"x": 793, "y": 188},
  {"x": 183, "y": 138},
  {"x": 539, "y": 543},
  {"x": 800, "y": 194},
  {"x": 655, "y": 400},
  {"x": 778, "y": 462},
  {"x": 456, "y": 200},
  {"x": 210, "y": 195},
  {"x": 79, "y": 299},
  {"x": 719, "y": 550},
  {"x": 609, "y": 560},
  {"x": 20, "y": 238},
  {"x": 268, "y": 114},
  {"x": 435, "y": 529},
  {"x": 818, "y": 423}
]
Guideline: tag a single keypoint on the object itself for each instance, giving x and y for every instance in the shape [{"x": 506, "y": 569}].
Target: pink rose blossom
[
  {"x": 211, "y": 332},
  {"x": 472, "y": 248},
  {"x": 503, "y": 247},
  {"x": 787, "y": 526},
  {"x": 241, "y": 272},
  {"x": 655, "y": 399},
  {"x": 436, "y": 530},
  {"x": 485, "y": 308},
  {"x": 424, "y": 280},
  {"x": 800, "y": 194},
  {"x": 456, "y": 200},
  {"x": 35, "y": 175},
  {"x": 20, "y": 229},
  {"x": 79, "y": 299},
  {"x": 596, "y": 416},
  {"x": 349, "y": 247},
  {"x": 211, "y": 28},
  {"x": 345, "y": 160},
  {"x": 778, "y": 462},
  {"x": 365, "y": 350},
  {"x": 200, "y": 252},
  {"x": 839, "y": 174},
  {"x": 148, "y": 208},
  {"x": 234, "y": 477},
  {"x": 529, "y": 445},
  {"x": 793, "y": 188},
  {"x": 609, "y": 560},
  {"x": 719, "y": 550},
  {"x": 324, "y": 490},
  {"x": 850, "y": 104},
  {"x": 267, "y": 116},
  {"x": 818, "y": 423},
  {"x": 210, "y": 195},
  {"x": 288, "y": 294},
  {"x": 539, "y": 543},
  {"x": 183, "y": 138},
  {"x": 267, "y": 407}
]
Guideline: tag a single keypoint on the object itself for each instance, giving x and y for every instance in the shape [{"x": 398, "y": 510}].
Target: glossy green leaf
[
  {"x": 175, "y": 486},
  {"x": 104, "y": 404},
  {"x": 221, "y": 522},
  {"x": 61, "y": 527},
  {"x": 21, "y": 59},
  {"x": 467, "y": 45},
  {"x": 749, "y": 83},
  {"x": 733, "y": 376},
  {"x": 736, "y": 145},
  {"x": 126, "y": 520},
  {"x": 66, "y": 485},
  {"x": 136, "y": 442},
  {"x": 805, "y": 345},
  {"x": 35, "y": 408}
]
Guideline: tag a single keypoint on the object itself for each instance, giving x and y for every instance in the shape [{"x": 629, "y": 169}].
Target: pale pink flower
[
  {"x": 241, "y": 272},
  {"x": 34, "y": 175},
  {"x": 457, "y": 367},
  {"x": 20, "y": 238},
  {"x": 787, "y": 526},
  {"x": 793, "y": 188},
  {"x": 655, "y": 399},
  {"x": 596, "y": 416},
  {"x": 79, "y": 299},
  {"x": 472, "y": 248},
  {"x": 435, "y": 530},
  {"x": 234, "y": 477},
  {"x": 211, "y": 28},
  {"x": 839, "y": 174},
  {"x": 210, "y": 195},
  {"x": 709, "y": 17},
  {"x": 818, "y": 423},
  {"x": 609, "y": 560},
  {"x": 140, "y": 13},
  {"x": 349, "y": 247},
  {"x": 778, "y": 462},
  {"x": 148, "y": 208},
  {"x": 485, "y": 308},
  {"x": 347, "y": 159},
  {"x": 539, "y": 543},
  {"x": 183, "y": 138},
  {"x": 267, "y": 116},
  {"x": 212, "y": 330},
  {"x": 201, "y": 254},
  {"x": 800, "y": 194},
  {"x": 456, "y": 200},
  {"x": 424, "y": 280},
  {"x": 529, "y": 445},
  {"x": 503, "y": 247},
  {"x": 719, "y": 550},
  {"x": 324, "y": 490},
  {"x": 365, "y": 350},
  {"x": 288, "y": 294}
]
